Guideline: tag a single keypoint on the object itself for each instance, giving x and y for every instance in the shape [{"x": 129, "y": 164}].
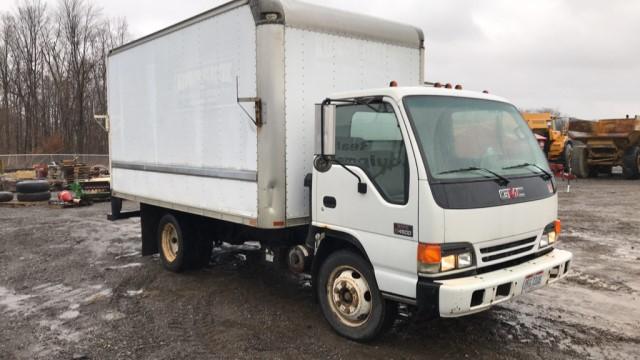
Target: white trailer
[{"x": 274, "y": 121}]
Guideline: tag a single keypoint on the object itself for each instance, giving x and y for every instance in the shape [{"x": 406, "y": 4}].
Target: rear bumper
[{"x": 469, "y": 295}]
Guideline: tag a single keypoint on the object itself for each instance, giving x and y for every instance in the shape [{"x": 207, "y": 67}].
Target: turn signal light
[
  {"x": 429, "y": 257},
  {"x": 557, "y": 226},
  {"x": 429, "y": 253}
]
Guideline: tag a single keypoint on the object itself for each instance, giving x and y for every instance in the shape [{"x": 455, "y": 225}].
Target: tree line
[{"x": 53, "y": 76}]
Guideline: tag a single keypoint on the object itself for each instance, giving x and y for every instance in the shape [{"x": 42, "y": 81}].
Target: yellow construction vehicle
[
  {"x": 604, "y": 144},
  {"x": 558, "y": 145}
]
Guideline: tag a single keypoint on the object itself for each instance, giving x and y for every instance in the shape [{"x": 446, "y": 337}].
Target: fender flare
[{"x": 334, "y": 240}]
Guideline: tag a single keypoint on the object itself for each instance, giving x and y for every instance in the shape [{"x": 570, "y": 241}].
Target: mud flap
[
  {"x": 428, "y": 299},
  {"x": 116, "y": 211},
  {"x": 149, "y": 217}
]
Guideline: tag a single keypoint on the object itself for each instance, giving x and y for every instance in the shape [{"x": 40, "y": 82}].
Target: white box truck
[{"x": 273, "y": 121}]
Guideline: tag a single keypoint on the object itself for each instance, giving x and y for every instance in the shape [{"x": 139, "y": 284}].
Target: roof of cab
[
  {"x": 398, "y": 93},
  {"x": 302, "y": 15}
]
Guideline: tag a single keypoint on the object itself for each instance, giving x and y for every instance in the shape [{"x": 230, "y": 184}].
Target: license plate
[{"x": 533, "y": 281}]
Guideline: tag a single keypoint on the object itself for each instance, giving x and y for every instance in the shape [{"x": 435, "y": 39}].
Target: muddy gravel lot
[{"x": 73, "y": 285}]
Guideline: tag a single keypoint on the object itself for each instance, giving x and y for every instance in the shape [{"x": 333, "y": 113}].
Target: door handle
[{"x": 329, "y": 202}]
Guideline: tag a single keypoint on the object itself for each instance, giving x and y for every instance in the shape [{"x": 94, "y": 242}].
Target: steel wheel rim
[
  {"x": 169, "y": 242},
  {"x": 349, "y": 296}
]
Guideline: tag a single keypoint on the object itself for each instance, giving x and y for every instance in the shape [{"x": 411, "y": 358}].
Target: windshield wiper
[
  {"x": 500, "y": 179},
  {"x": 545, "y": 174}
]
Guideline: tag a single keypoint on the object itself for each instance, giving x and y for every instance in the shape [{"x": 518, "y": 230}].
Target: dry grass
[{"x": 21, "y": 175}]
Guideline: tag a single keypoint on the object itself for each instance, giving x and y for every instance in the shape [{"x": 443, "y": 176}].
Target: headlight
[
  {"x": 436, "y": 258},
  {"x": 465, "y": 260},
  {"x": 550, "y": 234},
  {"x": 448, "y": 263}
]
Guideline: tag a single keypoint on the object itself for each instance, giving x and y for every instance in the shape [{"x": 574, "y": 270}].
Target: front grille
[{"x": 501, "y": 251}]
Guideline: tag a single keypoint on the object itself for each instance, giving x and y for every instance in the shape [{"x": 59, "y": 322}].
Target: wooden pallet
[{"x": 21, "y": 204}]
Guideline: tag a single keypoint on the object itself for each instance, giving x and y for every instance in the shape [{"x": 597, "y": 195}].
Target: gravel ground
[{"x": 73, "y": 285}]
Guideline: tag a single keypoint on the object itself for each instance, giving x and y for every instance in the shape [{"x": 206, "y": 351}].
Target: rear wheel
[
  {"x": 171, "y": 243},
  {"x": 350, "y": 299},
  {"x": 631, "y": 163},
  {"x": 180, "y": 246}
]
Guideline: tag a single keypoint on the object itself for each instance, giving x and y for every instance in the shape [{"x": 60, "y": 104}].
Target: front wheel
[{"x": 350, "y": 299}]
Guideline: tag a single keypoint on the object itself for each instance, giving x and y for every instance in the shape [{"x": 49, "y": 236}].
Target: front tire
[{"x": 350, "y": 299}]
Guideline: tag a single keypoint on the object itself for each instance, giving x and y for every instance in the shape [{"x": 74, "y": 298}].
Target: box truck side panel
[
  {"x": 177, "y": 132},
  {"x": 234, "y": 199},
  {"x": 317, "y": 64}
]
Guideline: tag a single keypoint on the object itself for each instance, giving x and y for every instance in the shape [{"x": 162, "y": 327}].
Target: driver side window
[{"x": 368, "y": 136}]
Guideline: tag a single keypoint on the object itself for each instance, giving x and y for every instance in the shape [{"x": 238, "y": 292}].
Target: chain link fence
[{"x": 26, "y": 161}]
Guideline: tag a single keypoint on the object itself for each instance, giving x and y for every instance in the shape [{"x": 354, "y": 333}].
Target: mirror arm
[{"x": 362, "y": 187}]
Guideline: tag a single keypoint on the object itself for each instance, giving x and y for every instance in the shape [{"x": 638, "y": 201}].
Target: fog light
[
  {"x": 464, "y": 260},
  {"x": 448, "y": 263}
]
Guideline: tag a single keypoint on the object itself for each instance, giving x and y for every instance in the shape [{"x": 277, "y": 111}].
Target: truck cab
[{"x": 444, "y": 198}]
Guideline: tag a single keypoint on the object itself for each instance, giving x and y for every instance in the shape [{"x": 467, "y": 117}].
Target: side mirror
[{"x": 325, "y": 130}]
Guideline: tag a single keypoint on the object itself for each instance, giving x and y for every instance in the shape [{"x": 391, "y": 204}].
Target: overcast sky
[{"x": 579, "y": 56}]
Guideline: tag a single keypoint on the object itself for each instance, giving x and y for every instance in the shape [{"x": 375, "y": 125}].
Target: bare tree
[{"x": 53, "y": 76}]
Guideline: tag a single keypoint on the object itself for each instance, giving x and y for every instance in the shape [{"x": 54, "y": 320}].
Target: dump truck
[
  {"x": 558, "y": 145},
  {"x": 607, "y": 143},
  {"x": 272, "y": 121}
]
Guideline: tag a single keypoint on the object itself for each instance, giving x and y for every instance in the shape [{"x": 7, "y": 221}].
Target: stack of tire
[{"x": 33, "y": 191}]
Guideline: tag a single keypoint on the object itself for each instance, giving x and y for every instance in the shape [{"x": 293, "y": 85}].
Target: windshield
[{"x": 463, "y": 138}]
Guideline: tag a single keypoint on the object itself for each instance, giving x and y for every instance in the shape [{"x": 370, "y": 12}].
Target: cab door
[{"x": 370, "y": 142}]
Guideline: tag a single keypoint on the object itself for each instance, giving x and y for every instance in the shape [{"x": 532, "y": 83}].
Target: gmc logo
[{"x": 511, "y": 193}]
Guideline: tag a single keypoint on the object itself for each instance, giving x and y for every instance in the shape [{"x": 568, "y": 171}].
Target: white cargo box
[{"x": 180, "y": 139}]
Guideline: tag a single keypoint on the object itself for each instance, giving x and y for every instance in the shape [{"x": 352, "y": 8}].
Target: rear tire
[
  {"x": 350, "y": 299},
  {"x": 34, "y": 197},
  {"x": 631, "y": 163},
  {"x": 179, "y": 245},
  {"x": 579, "y": 164}
]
